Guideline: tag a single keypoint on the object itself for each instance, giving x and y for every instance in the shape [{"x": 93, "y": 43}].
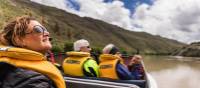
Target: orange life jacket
[
  {"x": 31, "y": 60},
  {"x": 73, "y": 64},
  {"x": 108, "y": 65}
]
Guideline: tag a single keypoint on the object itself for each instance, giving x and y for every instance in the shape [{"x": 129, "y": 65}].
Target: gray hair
[
  {"x": 107, "y": 48},
  {"x": 80, "y": 43}
]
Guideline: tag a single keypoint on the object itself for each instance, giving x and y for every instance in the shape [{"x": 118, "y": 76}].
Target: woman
[
  {"x": 112, "y": 66},
  {"x": 22, "y": 62}
]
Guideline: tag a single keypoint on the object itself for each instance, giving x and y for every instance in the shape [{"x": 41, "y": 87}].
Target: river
[{"x": 174, "y": 72}]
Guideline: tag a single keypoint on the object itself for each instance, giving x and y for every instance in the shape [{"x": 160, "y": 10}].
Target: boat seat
[{"x": 93, "y": 82}]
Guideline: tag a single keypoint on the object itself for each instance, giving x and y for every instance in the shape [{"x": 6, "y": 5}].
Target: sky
[{"x": 173, "y": 19}]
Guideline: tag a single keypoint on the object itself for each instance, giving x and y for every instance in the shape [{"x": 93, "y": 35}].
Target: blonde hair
[
  {"x": 138, "y": 56},
  {"x": 14, "y": 31}
]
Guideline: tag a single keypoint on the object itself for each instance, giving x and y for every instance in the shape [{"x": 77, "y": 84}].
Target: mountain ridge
[{"x": 67, "y": 27}]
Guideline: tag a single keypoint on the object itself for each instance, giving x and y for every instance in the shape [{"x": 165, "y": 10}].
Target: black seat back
[{"x": 90, "y": 82}]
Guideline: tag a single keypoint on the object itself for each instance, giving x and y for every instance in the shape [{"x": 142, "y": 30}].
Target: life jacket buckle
[{"x": 4, "y": 48}]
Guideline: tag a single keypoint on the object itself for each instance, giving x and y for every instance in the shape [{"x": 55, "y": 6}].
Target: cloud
[
  {"x": 113, "y": 13},
  {"x": 174, "y": 19},
  {"x": 178, "y": 77},
  {"x": 60, "y": 4}
]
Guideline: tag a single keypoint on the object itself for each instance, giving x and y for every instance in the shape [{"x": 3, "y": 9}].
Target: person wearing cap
[
  {"x": 79, "y": 62},
  {"x": 112, "y": 66}
]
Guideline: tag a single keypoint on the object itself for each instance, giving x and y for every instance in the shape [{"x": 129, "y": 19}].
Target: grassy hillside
[{"x": 66, "y": 27}]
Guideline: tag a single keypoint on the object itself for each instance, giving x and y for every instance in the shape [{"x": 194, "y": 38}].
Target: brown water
[{"x": 174, "y": 72}]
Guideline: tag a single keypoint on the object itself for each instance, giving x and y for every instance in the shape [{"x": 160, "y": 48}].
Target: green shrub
[
  {"x": 56, "y": 48},
  {"x": 68, "y": 46},
  {"x": 97, "y": 50}
]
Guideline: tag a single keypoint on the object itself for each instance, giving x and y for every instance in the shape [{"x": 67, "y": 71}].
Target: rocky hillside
[
  {"x": 192, "y": 50},
  {"x": 67, "y": 27}
]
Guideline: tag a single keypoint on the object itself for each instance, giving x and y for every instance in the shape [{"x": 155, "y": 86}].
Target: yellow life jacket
[
  {"x": 73, "y": 64},
  {"x": 27, "y": 59},
  {"x": 108, "y": 65}
]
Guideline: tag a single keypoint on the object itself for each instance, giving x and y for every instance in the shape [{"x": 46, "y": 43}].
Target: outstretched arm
[{"x": 91, "y": 68}]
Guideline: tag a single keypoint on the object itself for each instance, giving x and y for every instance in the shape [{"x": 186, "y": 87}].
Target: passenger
[
  {"x": 136, "y": 67},
  {"x": 79, "y": 62},
  {"x": 95, "y": 55},
  {"x": 112, "y": 66},
  {"x": 23, "y": 64}
]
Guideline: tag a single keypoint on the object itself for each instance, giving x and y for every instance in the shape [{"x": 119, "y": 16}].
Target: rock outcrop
[{"x": 192, "y": 50}]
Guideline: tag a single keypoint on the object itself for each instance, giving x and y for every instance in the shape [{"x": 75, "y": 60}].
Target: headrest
[
  {"x": 108, "y": 57},
  {"x": 77, "y": 54},
  {"x": 20, "y": 53}
]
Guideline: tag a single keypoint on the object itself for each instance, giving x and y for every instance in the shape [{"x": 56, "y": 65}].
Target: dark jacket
[
  {"x": 123, "y": 73},
  {"x": 133, "y": 72},
  {"x": 137, "y": 70},
  {"x": 13, "y": 77}
]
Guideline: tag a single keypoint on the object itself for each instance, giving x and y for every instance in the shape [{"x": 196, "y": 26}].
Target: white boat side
[{"x": 151, "y": 81}]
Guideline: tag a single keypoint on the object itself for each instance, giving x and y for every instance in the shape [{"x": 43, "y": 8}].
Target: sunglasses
[
  {"x": 38, "y": 29},
  {"x": 87, "y": 46}
]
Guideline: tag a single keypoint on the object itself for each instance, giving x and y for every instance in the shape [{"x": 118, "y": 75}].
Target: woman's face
[{"x": 37, "y": 38}]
